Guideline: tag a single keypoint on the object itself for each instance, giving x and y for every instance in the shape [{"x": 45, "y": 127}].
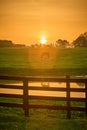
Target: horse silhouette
[{"x": 45, "y": 55}]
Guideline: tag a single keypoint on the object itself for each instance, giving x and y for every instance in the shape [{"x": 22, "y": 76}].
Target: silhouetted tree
[
  {"x": 81, "y": 41},
  {"x": 6, "y": 43},
  {"x": 62, "y": 43}
]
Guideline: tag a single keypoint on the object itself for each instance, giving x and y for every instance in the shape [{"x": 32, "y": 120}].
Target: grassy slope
[
  {"x": 31, "y": 58},
  {"x": 27, "y": 61}
]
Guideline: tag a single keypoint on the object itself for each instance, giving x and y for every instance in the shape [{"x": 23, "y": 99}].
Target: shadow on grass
[{"x": 43, "y": 72}]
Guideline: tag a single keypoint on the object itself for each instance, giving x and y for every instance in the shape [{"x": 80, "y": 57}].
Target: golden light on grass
[{"x": 43, "y": 39}]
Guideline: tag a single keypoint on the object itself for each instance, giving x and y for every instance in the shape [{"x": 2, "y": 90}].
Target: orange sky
[{"x": 24, "y": 21}]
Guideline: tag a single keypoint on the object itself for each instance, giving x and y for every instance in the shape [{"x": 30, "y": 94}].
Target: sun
[{"x": 43, "y": 39}]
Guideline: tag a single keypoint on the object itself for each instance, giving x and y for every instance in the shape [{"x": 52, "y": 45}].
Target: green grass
[
  {"x": 14, "y": 119},
  {"x": 40, "y": 119},
  {"x": 25, "y": 62},
  {"x": 31, "y": 58},
  {"x": 28, "y": 61}
]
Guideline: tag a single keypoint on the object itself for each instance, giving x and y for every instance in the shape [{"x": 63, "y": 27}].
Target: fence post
[
  {"x": 68, "y": 97},
  {"x": 86, "y": 96},
  {"x": 25, "y": 97}
]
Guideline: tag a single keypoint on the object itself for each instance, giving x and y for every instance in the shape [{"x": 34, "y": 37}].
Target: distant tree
[
  {"x": 81, "y": 41},
  {"x": 62, "y": 43},
  {"x": 19, "y": 45},
  {"x": 6, "y": 43}
]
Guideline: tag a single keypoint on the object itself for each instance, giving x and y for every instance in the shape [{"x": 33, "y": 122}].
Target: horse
[{"x": 45, "y": 55}]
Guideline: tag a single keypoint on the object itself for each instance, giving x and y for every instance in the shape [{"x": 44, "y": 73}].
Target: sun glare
[{"x": 43, "y": 39}]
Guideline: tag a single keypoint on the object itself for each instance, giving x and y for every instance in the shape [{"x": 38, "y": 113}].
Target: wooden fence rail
[{"x": 26, "y": 96}]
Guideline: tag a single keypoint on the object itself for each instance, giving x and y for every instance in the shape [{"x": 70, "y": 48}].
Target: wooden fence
[{"x": 26, "y": 96}]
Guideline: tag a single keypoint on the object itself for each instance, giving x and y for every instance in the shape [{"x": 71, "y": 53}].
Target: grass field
[
  {"x": 29, "y": 61},
  {"x": 40, "y": 119},
  {"x": 14, "y": 119},
  {"x": 25, "y": 62},
  {"x": 32, "y": 58}
]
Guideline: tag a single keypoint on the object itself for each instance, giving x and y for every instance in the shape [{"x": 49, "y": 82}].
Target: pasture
[
  {"x": 29, "y": 62},
  {"x": 13, "y": 119},
  {"x": 34, "y": 61}
]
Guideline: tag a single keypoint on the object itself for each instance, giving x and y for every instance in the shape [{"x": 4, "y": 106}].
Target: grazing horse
[{"x": 45, "y": 55}]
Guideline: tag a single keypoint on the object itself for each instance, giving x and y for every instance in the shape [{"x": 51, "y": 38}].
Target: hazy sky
[{"x": 24, "y": 21}]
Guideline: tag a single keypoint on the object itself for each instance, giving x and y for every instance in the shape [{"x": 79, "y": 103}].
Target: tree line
[
  {"x": 80, "y": 41},
  {"x": 8, "y": 43}
]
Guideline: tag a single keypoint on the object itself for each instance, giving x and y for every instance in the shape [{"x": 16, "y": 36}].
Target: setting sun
[{"x": 43, "y": 39}]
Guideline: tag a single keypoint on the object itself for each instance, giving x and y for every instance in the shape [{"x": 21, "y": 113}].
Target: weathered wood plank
[
  {"x": 11, "y": 95},
  {"x": 11, "y": 86},
  {"x": 11, "y": 104}
]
